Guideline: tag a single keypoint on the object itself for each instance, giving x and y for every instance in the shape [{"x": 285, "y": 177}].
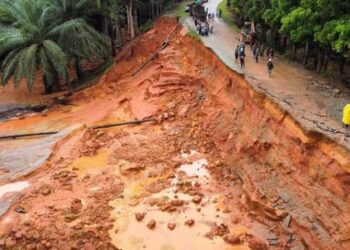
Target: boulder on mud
[
  {"x": 127, "y": 167},
  {"x": 256, "y": 244},
  {"x": 232, "y": 239},
  {"x": 171, "y": 226},
  {"x": 151, "y": 224},
  {"x": 218, "y": 230},
  {"x": 10, "y": 242},
  {"x": 76, "y": 206},
  {"x": 189, "y": 222},
  {"x": 197, "y": 199},
  {"x": 140, "y": 216},
  {"x": 69, "y": 217}
]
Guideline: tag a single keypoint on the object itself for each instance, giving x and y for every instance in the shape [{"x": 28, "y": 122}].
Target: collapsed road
[{"x": 223, "y": 166}]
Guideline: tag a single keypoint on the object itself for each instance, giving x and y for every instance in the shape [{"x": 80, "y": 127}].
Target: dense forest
[
  {"x": 318, "y": 28},
  {"x": 53, "y": 37}
]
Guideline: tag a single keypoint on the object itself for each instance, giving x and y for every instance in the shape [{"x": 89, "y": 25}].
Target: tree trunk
[
  {"x": 78, "y": 68},
  {"x": 319, "y": 60},
  {"x": 48, "y": 88},
  {"x": 326, "y": 60},
  {"x": 118, "y": 33},
  {"x": 284, "y": 44},
  {"x": 158, "y": 8},
  {"x": 342, "y": 65},
  {"x": 306, "y": 54},
  {"x": 294, "y": 52},
  {"x": 112, "y": 35},
  {"x": 129, "y": 11},
  {"x": 150, "y": 10},
  {"x": 276, "y": 40},
  {"x": 263, "y": 34},
  {"x": 104, "y": 24},
  {"x": 136, "y": 20},
  {"x": 153, "y": 13},
  {"x": 316, "y": 58}
]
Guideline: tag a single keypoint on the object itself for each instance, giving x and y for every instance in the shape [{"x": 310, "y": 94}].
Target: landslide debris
[{"x": 222, "y": 166}]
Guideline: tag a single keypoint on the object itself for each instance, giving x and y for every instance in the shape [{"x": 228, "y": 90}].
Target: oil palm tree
[
  {"x": 47, "y": 35},
  {"x": 25, "y": 46},
  {"x": 74, "y": 34}
]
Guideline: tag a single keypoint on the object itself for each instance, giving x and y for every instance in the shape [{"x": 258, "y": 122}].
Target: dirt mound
[{"x": 138, "y": 50}]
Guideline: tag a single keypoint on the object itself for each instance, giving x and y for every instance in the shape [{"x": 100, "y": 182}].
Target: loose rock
[
  {"x": 232, "y": 239},
  {"x": 189, "y": 223},
  {"x": 197, "y": 199},
  {"x": 152, "y": 224},
  {"x": 140, "y": 216},
  {"x": 171, "y": 226}
]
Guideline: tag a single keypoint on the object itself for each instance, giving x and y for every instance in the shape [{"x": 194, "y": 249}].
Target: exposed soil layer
[{"x": 222, "y": 168}]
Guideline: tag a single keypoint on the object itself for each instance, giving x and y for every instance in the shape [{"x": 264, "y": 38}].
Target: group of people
[
  {"x": 204, "y": 29},
  {"x": 211, "y": 17},
  {"x": 257, "y": 51}
]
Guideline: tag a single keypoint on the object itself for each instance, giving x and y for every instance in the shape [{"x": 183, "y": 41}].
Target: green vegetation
[
  {"x": 320, "y": 28},
  {"x": 227, "y": 15},
  {"x": 194, "y": 35},
  {"x": 50, "y": 38},
  {"x": 180, "y": 10},
  {"x": 46, "y": 35}
]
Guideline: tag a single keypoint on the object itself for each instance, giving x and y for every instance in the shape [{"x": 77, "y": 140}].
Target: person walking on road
[
  {"x": 242, "y": 49},
  {"x": 237, "y": 53},
  {"x": 269, "y": 67},
  {"x": 254, "y": 49},
  {"x": 241, "y": 60},
  {"x": 256, "y": 55}
]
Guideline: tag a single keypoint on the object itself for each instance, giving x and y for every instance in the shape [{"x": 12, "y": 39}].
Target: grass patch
[
  {"x": 227, "y": 15},
  {"x": 193, "y": 34},
  {"x": 179, "y": 10}
]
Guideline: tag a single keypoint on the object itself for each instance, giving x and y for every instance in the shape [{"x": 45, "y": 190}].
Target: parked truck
[{"x": 197, "y": 10}]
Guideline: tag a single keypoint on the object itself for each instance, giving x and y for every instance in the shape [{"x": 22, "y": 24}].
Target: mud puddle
[{"x": 185, "y": 226}]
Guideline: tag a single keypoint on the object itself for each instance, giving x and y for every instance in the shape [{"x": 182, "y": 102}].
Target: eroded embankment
[
  {"x": 286, "y": 167},
  {"x": 223, "y": 168}
]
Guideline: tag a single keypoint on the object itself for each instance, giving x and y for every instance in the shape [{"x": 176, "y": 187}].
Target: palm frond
[
  {"x": 57, "y": 57},
  {"x": 10, "y": 38},
  {"x": 9, "y": 65}
]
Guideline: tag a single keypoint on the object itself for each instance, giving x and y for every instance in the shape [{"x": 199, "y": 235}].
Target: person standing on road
[
  {"x": 268, "y": 51},
  {"x": 254, "y": 49},
  {"x": 242, "y": 49},
  {"x": 269, "y": 67},
  {"x": 256, "y": 55},
  {"x": 346, "y": 116},
  {"x": 241, "y": 60},
  {"x": 237, "y": 53}
]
